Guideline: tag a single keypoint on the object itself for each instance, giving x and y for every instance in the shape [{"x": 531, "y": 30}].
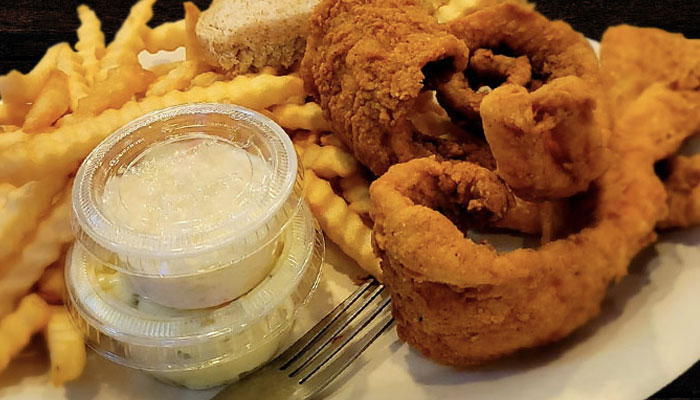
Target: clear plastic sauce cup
[
  {"x": 197, "y": 349},
  {"x": 194, "y": 248},
  {"x": 189, "y": 202}
]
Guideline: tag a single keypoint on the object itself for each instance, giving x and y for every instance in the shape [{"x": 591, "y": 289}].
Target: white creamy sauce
[
  {"x": 185, "y": 186},
  {"x": 194, "y": 252},
  {"x": 114, "y": 285}
]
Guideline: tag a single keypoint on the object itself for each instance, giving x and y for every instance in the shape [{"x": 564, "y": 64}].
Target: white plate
[{"x": 646, "y": 336}]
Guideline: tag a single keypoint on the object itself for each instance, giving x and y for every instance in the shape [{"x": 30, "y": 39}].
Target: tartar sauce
[
  {"x": 189, "y": 202},
  {"x": 202, "y": 348},
  {"x": 194, "y": 247}
]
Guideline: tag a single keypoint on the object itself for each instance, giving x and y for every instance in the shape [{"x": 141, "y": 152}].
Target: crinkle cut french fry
[
  {"x": 119, "y": 87},
  {"x": 23, "y": 269},
  {"x": 5, "y": 190},
  {"x": 50, "y": 105},
  {"x": 52, "y": 285},
  {"x": 177, "y": 79},
  {"x": 17, "y": 88},
  {"x": 329, "y": 161},
  {"x": 433, "y": 5},
  {"x": 356, "y": 192},
  {"x": 308, "y": 116},
  {"x": 21, "y": 211},
  {"x": 70, "y": 63},
  {"x": 164, "y": 69},
  {"x": 193, "y": 49},
  {"x": 432, "y": 124},
  {"x": 13, "y": 113},
  {"x": 332, "y": 139},
  {"x": 61, "y": 151},
  {"x": 341, "y": 225},
  {"x": 355, "y": 188},
  {"x": 128, "y": 41},
  {"x": 302, "y": 139},
  {"x": 206, "y": 79},
  {"x": 454, "y": 9},
  {"x": 8, "y": 139},
  {"x": 8, "y": 128},
  {"x": 17, "y": 328},
  {"x": 360, "y": 207},
  {"x": 91, "y": 42},
  {"x": 66, "y": 347},
  {"x": 168, "y": 36}
]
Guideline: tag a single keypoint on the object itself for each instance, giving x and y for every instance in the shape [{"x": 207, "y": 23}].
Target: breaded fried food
[
  {"x": 243, "y": 35},
  {"x": 635, "y": 58},
  {"x": 548, "y": 144},
  {"x": 463, "y": 303},
  {"x": 534, "y": 85},
  {"x": 653, "y": 80},
  {"x": 683, "y": 188},
  {"x": 546, "y": 218},
  {"x": 657, "y": 123},
  {"x": 448, "y": 10},
  {"x": 366, "y": 63}
]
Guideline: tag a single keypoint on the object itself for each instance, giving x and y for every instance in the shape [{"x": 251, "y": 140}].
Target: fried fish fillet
[
  {"x": 367, "y": 62},
  {"x": 635, "y": 58},
  {"x": 653, "y": 81}
]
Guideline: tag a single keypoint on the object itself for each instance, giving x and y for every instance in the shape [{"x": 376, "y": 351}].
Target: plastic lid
[
  {"x": 154, "y": 338},
  {"x": 186, "y": 189}
]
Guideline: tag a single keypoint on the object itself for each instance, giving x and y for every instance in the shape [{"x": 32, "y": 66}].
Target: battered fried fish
[
  {"x": 366, "y": 63},
  {"x": 463, "y": 303},
  {"x": 653, "y": 81},
  {"x": 544, "y": 120},
  {"x": 683, "y": 188},
  {"x": 632, "y": 59}
]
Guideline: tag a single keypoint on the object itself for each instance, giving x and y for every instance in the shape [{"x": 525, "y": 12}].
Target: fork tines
[
  {"x": 366, "y": 307},
  {"x": 318, "y": 357}
]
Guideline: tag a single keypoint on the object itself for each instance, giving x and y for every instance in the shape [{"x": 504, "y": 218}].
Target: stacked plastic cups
[{"x": 195, "y": 249}]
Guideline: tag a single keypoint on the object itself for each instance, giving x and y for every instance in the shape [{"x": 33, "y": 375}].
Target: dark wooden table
[{"x": 28, "y": 27}]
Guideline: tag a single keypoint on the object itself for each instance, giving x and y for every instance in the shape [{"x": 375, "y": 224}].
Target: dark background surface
[{"x": 28, "y": 28}]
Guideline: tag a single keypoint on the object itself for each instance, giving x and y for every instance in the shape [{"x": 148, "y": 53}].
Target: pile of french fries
[{"x": 53, "y": 116}]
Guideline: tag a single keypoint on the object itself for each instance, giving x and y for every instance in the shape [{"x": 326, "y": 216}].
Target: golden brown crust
[
  {"x": 633, "y": 59},
  {"x": 462, "y": 303},
  {"x": 550, "y": 143},
  {"x": 366, "y": 63},
  {"x": 535, "y": 137},
  {"x": 553, "y": 48},
  {"x": 653, "y": 82},
  {"x": 683, "y": 188},
  {"x": 461, "y": 101}
]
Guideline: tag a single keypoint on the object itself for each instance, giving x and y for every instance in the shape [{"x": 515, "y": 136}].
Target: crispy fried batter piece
[
  {"x": 547, "y": 218},
  {"x": 632, "y": 59},
  {"x": 462, "y": 303},
  {"x": 683, "y": 188},
  {"x": 548, "y": 144},
  {"x": 657, "y": 123},
  {"x": 485, "y": 68},
  {"x": 366, "y": 64},
  {"x": 535, "y": 138},
  {"x": 653, "y": 80}
]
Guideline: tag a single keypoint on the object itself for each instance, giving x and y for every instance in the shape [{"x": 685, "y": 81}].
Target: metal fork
[{"x": 318, "y": 357}]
